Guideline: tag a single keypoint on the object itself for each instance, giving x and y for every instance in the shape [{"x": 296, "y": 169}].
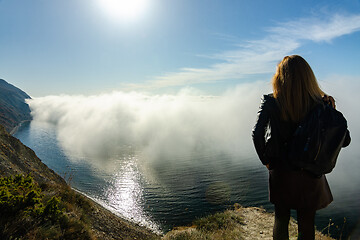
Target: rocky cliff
[{"x": 13, "y": 108}]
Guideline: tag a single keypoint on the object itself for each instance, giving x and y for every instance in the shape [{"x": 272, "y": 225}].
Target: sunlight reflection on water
[{"x": 125, "y": 193}]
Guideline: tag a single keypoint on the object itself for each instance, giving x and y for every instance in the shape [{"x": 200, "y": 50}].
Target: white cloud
[
  {"x": 318, "y": 30},
  {"x": 99, "y": 128},
  {"x": 260, "y": 56}
]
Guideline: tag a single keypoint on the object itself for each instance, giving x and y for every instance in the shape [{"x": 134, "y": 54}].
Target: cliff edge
[{"x": 241, "y": 223}]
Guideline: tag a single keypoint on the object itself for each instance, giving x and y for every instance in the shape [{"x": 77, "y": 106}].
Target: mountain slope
[
  {"x": 13, "y": 109},
  {"x": 16, "y": 158}
]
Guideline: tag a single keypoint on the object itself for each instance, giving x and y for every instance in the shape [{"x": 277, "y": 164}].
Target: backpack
[{"x": 317, "y": 140}]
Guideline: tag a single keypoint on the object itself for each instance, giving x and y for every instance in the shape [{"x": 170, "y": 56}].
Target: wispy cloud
[
  {"x": 260, "y": 56},
  {"x": 318, "y": 30}
]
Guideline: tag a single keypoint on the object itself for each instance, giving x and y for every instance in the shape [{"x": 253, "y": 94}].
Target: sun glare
[{"x": 124, "y": 9}]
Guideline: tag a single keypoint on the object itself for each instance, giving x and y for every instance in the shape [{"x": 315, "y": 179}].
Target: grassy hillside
[{"x": 36, "y": 203}]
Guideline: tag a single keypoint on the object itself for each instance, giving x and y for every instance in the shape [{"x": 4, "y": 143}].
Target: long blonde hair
[{"x": 295, "y": 88}]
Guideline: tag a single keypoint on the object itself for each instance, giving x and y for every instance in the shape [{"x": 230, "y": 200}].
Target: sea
[{"x": 174, "y": 192}]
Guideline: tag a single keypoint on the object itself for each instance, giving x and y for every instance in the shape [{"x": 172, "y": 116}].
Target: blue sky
[{"x": 77, "y": 47}]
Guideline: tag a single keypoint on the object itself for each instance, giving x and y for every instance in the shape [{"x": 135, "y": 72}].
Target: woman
[{"x": 295, "y": 93}]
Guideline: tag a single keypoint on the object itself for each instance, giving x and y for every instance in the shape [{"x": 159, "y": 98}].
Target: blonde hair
[{"x": 295, "y": 88}]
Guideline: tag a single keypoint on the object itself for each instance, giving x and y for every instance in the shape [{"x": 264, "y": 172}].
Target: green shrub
[
  {"x": 28, "y": 213},
  {"x": 18, "y": 194},
  {"x": 52, "y": 210}
]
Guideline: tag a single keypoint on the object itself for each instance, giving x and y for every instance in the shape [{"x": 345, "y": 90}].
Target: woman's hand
[{"x": 329, "y": 100}]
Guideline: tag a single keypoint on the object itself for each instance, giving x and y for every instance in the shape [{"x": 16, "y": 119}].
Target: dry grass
[
  {"x": 226, "y": 225},
  {"x": 241, "y": 223}
]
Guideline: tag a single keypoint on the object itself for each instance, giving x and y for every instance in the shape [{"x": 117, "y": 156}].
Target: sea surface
[{"x": 173, "y": 192}]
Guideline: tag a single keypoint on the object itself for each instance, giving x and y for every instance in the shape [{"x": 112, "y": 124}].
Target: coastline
[
  {"x": 107, "y": 225},
  {"x": 18, "y": 126},
  {"x": 101, "y": 210},
  {"x": 84, "y": 216}
]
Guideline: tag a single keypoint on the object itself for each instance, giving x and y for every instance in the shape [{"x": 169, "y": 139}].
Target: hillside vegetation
[{"x": 32, "y": 212}]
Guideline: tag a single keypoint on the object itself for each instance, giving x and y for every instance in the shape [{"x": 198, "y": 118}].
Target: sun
[{"x": 124, "y": 9}]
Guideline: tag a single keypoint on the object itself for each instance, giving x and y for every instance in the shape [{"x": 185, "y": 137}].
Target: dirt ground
[{"x": 258, "y": 224}]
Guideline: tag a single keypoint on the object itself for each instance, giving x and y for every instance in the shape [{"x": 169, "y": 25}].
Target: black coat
[
  {"x": 270, "y": 132},
  {"x": 287, "y": 185}
]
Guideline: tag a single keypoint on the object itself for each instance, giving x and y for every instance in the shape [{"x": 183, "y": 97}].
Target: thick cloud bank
[{"x": 159, "y": 126}]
